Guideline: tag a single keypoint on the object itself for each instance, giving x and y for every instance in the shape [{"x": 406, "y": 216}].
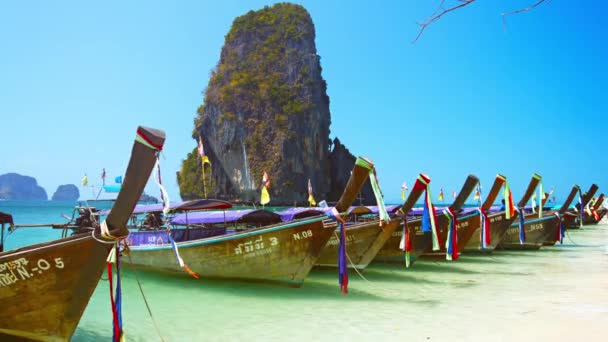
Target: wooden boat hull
[
  {"x": 421, "y": 241},
  {"x": 363, "y": 241},
  {"x": 553, "y": 233},
  {"x": 60, "y": 275},
  {"x": 537, "y": 231},
  {"x": 283, "y": 253},
  {"x": 464, "y": 229},
  {"x": 498, "y": 226}
]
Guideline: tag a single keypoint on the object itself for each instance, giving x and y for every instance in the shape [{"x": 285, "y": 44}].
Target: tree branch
[
  {"x": 527, "y": 9},
  {"x": 434, "y": 17},
  {"x": 440, "y": 11}
]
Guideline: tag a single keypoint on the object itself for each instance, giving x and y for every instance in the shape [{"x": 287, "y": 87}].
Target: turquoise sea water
[{"x": 504, "y": 296}]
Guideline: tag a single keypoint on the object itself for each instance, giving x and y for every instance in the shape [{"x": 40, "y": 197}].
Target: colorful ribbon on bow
[
  {"x": 484, "y": 231},
  {"x": 373, "y": 179},
  {"x": 522, "y": 223},
  {"x": 451, "y": 242},
  {"x": 114, "y": 256},
  {"x": 509, "y": 206},
  {"x": 115, "y": 300},
  {"x": 406, "y": 242},
  {"x": 428, "y": 214},
  {"x": 166, "y": 205},
  {"x": 342, "y": 261},
  {"x": 561, "y": 230}
]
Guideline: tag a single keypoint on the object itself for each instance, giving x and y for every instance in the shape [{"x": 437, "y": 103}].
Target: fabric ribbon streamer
[
  {"x": 588, "y": 209},
  {"x": 373, "y": 179},
  {"x": 117, "y": 332},
  {"x": 406, "y": 242},
  {"x": 451, "y": 243},
  {"x": 484, "y": 231},
  {"x": 311, "y": 198},
  {"x": 166, "y": 204},
  {"x": 522, "y": 222},
  {"x": 403, "y": 191},
  {"x": 509, "y": 206},
  {"x": 561, "y": 229},
  {"x": 179, "y": 258},
  {"x": 428, "y": 213},
  {"x": 342, "y": 262}
]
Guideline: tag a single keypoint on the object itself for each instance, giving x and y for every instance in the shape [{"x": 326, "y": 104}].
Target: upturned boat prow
[
  {"x": 364, "y": 240},
  {"x": 555, "y": 233},
  {"x": 532, "y": 231},
  {"x": 391, "y": 251},
  {"x": 45, "y": 288},
  {"x": 580, "y": 213},
  {"x": 498, "y": 221},
  {"x": 466, "y": 224}
]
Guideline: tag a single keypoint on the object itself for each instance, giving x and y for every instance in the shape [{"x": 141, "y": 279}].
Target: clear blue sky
[{"x": 77, "y": 78}]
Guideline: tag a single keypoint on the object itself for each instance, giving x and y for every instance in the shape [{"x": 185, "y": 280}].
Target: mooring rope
[
  {"x": 576, "y": 244},
  {"x": 141, "y": 290},
  {"x": 391, "y": 292}
]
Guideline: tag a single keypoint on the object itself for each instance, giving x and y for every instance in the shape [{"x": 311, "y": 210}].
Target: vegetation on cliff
[
  {"x": 266, "y": 109},
  {"x": 260, "y": 99}
]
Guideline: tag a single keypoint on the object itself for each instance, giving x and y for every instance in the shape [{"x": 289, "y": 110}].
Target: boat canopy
[
  {"x": 112, "y": 188},
  {"x": 420, "y": 211},
  {"x": 6, "y": 218},
  {"x": 192, "y": 205},
  {"x": 260, "y": 216},
  {"x": 359, "y": 210},
  {"x": 391, "y": 208},
  {"x": 298, "y": 213}
]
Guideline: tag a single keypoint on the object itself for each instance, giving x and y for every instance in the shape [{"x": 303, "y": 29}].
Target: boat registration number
[{"x": 17, "y": 270}]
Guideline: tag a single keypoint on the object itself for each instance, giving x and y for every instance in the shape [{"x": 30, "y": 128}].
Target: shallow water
[{"x": 557, "y": 292}]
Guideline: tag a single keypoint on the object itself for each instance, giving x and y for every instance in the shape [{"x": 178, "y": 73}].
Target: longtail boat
[
  {"x": 153, "y": 213},
  {"x": 283, "y": 252},
  {"x": 501, "y": 219},
  {"x": 557, "y": 232},
  {"x": 580, "y": 211},
  {"x": 464, "y": 224},
  {"x": 421, "y": 240},
  {"x": 44, "y": 288},
  {"x": 365, "y": 239},
  {"x": 531, "y": 230}
]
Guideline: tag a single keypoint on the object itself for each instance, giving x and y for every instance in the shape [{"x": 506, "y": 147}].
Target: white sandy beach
[{"x": 557, "y": 293}]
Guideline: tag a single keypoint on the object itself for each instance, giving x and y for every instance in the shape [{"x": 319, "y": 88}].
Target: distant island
[
  {"x": 67, "y": 192},
  {"x": 14, "y": 186},
  {"x": 148, "y": 198}
]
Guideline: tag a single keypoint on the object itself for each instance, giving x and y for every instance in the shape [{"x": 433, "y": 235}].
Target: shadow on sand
[{"x": 318, "y": 285}]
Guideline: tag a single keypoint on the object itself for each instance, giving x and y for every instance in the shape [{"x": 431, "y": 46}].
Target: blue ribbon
[
  {"x": 426, "y": 218},
  {"x": 522, "y": 231},
  {"x": 562, "y": 229},
  {"x": 342, "y": 263},
  {"x": 450, "y": 237}
]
